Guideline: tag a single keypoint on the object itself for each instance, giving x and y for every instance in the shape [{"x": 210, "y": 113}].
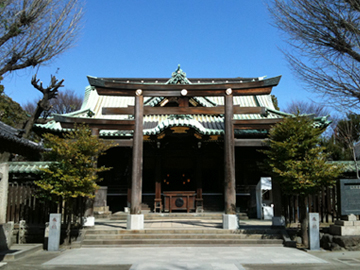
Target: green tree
[
  {"x": 298, "y": 162},
  {"x": 341, "y": 144},
  {"x": 74, "y": 172},
  {"x": 11, "y": 112},
  {"x": 275, "y": 102}
]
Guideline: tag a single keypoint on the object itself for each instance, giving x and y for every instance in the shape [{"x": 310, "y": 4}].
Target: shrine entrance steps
[
  {"x": 178, "y": 231},
  {"x": 178, "y": 215}
]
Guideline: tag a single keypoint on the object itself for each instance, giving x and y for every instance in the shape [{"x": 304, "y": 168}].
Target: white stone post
[
  {"x": 54, "y": 232},
  {"x": 4, "y": 187},
  {"x": 314, "y": 235}
]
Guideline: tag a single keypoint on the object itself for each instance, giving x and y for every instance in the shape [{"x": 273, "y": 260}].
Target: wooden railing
[
  {"x": 23, "y": 205},
  {"x": 325, "y": 202}
]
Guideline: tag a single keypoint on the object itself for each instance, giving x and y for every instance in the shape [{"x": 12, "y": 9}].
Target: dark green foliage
[
  {"x": 11, "y": 112},
  {"x": 74, "y": 172},
  {"x": 341, "y": 143},
  {"x": 296, "y": 159},
  {"x": 275, "y": 102}
]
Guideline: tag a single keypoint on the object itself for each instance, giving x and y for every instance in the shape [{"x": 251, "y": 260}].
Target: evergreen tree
[
  {"x": 74, "y": 172},
  {"x": 298, "y": 162},
  {"x": 11, "y": 112}
]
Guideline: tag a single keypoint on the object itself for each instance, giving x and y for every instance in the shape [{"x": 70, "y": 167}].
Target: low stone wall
[
  {"x": 6, "y": 232},
  {"x": 338, "y": 243}
]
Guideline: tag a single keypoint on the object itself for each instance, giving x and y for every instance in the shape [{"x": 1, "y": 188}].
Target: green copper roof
[
  {"x": 154, "y": 124},
  {"x": 27, "y": 166},
  {"x": 348, "y": 165}
]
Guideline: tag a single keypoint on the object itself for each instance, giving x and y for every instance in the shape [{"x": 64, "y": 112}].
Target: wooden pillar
[
  {"x": 89, "y": 203},
  {"x": 128, "y": 181},
  {"x": 229, "y": 181},
  {"x": 158, "y": 202},
  {"x": 95, "y": 132},
  {"x": 137, "y": 157},
  {"x": 199, "y": 198}
]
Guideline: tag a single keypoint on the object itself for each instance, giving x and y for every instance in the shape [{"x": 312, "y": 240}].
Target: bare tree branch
[
  {"x": 325, "y": 39},
  {"x": 34, "y": 32},
  {"x": 66, "y": 101},
  {"x": 49, "y": 93}
]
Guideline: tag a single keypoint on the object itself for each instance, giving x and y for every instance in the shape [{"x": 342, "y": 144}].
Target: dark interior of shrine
[{"x": 182, "y": 162}]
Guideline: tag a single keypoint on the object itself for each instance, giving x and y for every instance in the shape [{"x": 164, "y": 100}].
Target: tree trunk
[
  {"x": 68, "y": 207},
  {"x": 304, "y": 220},
  {"x": 355, "y": 162},
  {"x": 30, "y": 123}
]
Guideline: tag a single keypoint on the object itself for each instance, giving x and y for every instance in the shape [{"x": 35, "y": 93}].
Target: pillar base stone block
[
  {"x": 135, "y": 222},
  {"x": 230, "y": 222}
]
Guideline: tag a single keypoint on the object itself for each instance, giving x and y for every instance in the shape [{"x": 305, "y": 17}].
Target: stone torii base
[
  {"x": 230, "y": 222},
  {"x": 135, "y": 222}
]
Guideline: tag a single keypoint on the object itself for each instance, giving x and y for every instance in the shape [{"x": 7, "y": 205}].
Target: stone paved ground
[
  {"x": 221, "y": 258},
  {"x": 252, "y": 258},
  {"x": 182, "y": 258}
]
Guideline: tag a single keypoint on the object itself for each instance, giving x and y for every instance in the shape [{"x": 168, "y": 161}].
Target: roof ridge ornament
[{"x": 178, "y": 77}]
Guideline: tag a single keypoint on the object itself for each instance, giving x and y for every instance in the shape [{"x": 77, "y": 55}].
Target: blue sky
[{"x": 145, "y": 38}]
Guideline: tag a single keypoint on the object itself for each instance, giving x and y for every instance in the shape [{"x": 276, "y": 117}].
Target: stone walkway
[{"x": 206, "y": 258}]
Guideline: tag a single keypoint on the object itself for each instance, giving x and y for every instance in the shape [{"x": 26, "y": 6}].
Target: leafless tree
[
  {"x": 33, "y": 32},
  {"x": 315, "y": 109},
  {"x": 304, "y": 107},
  {"x": 324, "y": 39},
  {"x": 48, "y": 93},
  {"x": 344, "y": 135},
  {"x": 66, "y": 101}
]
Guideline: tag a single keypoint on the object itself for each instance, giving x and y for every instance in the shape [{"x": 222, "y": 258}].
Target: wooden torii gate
[{"x": 121, "y": 87}]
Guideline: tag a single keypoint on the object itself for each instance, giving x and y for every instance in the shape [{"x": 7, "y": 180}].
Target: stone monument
[
  {"x": 54, "y": 232},
  {"x": 314, "y": 234}
]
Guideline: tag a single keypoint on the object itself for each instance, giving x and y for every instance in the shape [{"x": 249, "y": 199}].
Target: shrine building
[{"x": 183, "y": 144}]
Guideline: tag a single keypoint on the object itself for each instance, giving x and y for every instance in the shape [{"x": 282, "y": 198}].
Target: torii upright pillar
[
  {"x": 135, "y": 220},
  {"x": 229, "y": 218}
]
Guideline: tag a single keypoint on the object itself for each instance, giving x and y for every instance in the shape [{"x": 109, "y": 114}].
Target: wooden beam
[
  {"x": 68, "y": 122},
  {"x": 122, "y": 142},
  {"x": 195, "y": 92},
  {"x": 183, "y": 110},
  {"x": 229, "y": 151},
  {"x": 120, "y": 84},
  {"x": 252, "y": 127},
  {"x": 101, "y": 126},
  {"x": 251, "y": 142}
]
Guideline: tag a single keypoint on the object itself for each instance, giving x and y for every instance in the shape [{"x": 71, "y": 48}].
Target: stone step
[
  {"x": 181, "y": 236},
  {"x": 180, "y": 231},
  {"x": 115, "y": 242},
  {"x": 188, "y": 216}
]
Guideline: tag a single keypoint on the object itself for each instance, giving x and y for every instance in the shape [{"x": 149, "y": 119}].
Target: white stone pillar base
[
  {"x": 230, "y": 222},
  {"x": 135, "y": 222}
]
